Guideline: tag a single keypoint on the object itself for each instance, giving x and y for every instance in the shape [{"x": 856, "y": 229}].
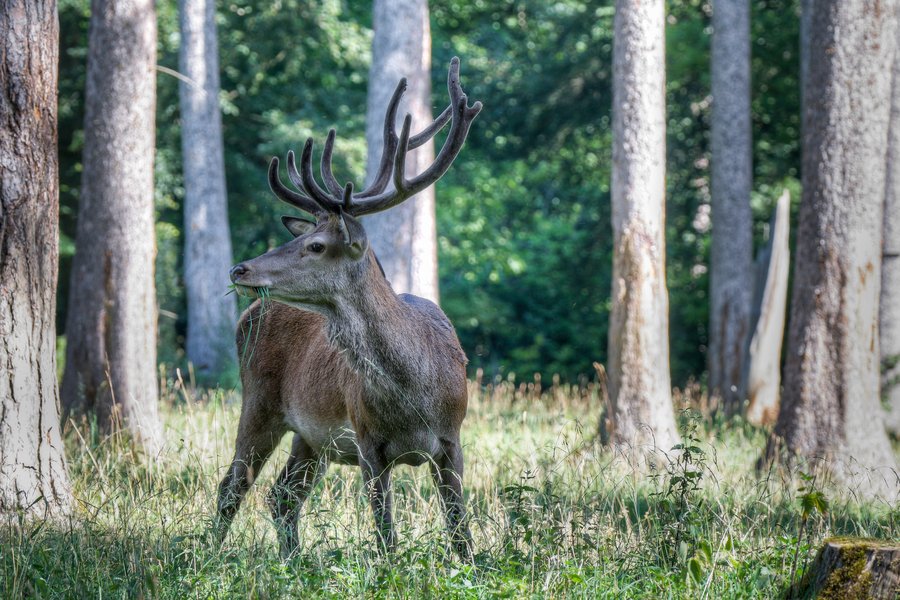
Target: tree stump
[{"x": 848, "y": 568}]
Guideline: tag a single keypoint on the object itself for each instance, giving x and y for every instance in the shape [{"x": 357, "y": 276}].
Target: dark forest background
[{"x": 525, "y": 265}]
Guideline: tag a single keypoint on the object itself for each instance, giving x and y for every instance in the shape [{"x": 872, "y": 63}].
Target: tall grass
[{"x": 553, "y": 515}]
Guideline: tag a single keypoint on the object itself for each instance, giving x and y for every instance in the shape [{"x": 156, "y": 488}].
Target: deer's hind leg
[
  {"x": 260, "y": 430},
  {"x": 301, "y": 473}
]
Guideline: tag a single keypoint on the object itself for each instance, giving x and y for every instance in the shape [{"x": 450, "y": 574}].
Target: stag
[{"x": 359, "y": 374}]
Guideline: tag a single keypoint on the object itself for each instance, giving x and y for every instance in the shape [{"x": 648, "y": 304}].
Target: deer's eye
[{"x": 316, "y": 247}]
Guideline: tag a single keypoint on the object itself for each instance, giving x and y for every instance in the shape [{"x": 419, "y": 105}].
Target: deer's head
[{"x": 330, "y": 251}]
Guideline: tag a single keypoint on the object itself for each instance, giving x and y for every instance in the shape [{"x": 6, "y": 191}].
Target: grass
[
  {"x": 263, "y": 294},
  {"x": 553, "y": 515}
]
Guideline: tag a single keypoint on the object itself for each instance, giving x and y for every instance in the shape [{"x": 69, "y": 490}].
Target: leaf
[
  {"x": 704, "y": 551},
  {"x": 764, "y": 578},
  {"x": 814, "y": 501},
  {"x": 682, "y": 551},
  {"x": 695, "y": 569},
  {"x": 574, "y": 577}
]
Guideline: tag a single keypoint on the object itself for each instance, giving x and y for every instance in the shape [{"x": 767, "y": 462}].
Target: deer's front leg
[
  {"x": 447, "y": 471},
  {"x": 304, "y": 468},
  {"x": 376, "y": 474},
  {"x": 258, "y": 434},
  {"x": 249, "y": 458}
]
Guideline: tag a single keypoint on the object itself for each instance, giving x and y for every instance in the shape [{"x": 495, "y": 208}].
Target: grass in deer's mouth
[
  {"x": 253, "y": 322},
  {"x": 248, "y": 291}
]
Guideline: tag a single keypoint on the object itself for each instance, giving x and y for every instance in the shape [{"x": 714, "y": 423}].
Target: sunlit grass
[{"x": 553, "y": 515}]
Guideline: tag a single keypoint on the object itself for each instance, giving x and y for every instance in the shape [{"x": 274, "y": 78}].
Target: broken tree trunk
[
  {"x": 761, "y": 383},
  {"x": 853, "y": 568}
]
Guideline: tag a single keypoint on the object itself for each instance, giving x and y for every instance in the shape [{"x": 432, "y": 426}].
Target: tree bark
[
  {"x": 111, "y": 328},
  {"x": 889, "y": 317},
  {"x": 207, "y": 242},
  {"x": 405, "y": 237},
  {"x": 33, "y": 479},
  {"x": 762, "y": 371},
  {"x": 806, "y": 11},
  {"x": 641, "y": 413},
  {"x": 732, "y": 179},
  {"x": 830, "y": 411},
  {"x": 852, "y": 568}
]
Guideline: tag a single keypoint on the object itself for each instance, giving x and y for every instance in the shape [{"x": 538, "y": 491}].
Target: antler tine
[
  {"x": 286, "y": 194},
  {"x": 389, "y": 147},
  {"x": 304, "y": 179},
  {"x": 462, "y": 116},
  {"x": 327, "y": 176},
  {"x": 430, "y": 131},
  {"x": 453, "y": 86},
  {"x": 400, "y": 160},
  {"x": 347, "y": 193}
]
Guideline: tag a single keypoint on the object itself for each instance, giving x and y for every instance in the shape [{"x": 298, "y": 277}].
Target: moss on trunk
[{"x": 852, "y": 568}]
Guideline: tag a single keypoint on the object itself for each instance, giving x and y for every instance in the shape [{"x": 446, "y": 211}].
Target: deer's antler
[{"x": 335, "y": 198}]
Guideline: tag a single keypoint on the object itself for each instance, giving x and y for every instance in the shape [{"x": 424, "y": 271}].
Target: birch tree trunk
[
  {"x": 207, "y": 241},
  {"x": 111, "y": 328},
  {"x": 762, "y": 369},
  {"x": 405, "y": 237},
  {"x": 732, "y": 179},
  {"x": 641, "y": 416},
  {"x": 33, "y": 477},
  {"x": 830, "y": 408},
  {"x": 889, "y": 307}
]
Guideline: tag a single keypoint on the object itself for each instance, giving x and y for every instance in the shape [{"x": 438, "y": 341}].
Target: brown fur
[{"x": 361, "y": 375}]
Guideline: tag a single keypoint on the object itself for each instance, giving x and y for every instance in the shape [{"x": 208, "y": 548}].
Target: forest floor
[{"x": 553, "y": 515}]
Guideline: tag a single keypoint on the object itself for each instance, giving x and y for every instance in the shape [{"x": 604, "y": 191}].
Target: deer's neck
[{"x": 380, "y": 336}]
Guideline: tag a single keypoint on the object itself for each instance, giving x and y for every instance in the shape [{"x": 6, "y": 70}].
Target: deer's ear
[
  {"x": 357, "y": 248},
  {"x": 354, "y": 236},
  {"x": 298, "y": 226}
]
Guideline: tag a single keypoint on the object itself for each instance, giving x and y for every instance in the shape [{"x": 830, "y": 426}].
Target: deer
[{"x": 360, "y": 375}]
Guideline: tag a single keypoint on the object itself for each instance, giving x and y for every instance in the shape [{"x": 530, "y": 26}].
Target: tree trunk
[
  {"x": 111, "y": 328},
  {"x": 762, "y": 370},
  {"x": 889, "y": 319},
  {"x": 732, "y": 178},
  {"x": 207, "y": 242},
  {"x": 641, "y": 414},
  {"x": 830, "y": 408},
  {"x": 405, "y": 237},
  {"x": 852, "y": 568},
  {"x": 33, "y": 477},
  {"x": 806, "y": 10}
]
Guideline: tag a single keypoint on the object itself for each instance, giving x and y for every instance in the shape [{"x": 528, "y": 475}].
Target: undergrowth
[{"x": 553, "y": 515}]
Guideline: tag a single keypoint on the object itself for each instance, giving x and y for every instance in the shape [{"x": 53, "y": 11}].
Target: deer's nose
[{"x": 237, "y": 271}]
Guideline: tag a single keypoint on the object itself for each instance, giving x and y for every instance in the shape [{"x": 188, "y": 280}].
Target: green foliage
[
  {"x": 680, "y": 504},
  {"x": 889, "y": 379},
  {"x": 812, "y": 503},
  {"x": 524, "y": 216}
]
